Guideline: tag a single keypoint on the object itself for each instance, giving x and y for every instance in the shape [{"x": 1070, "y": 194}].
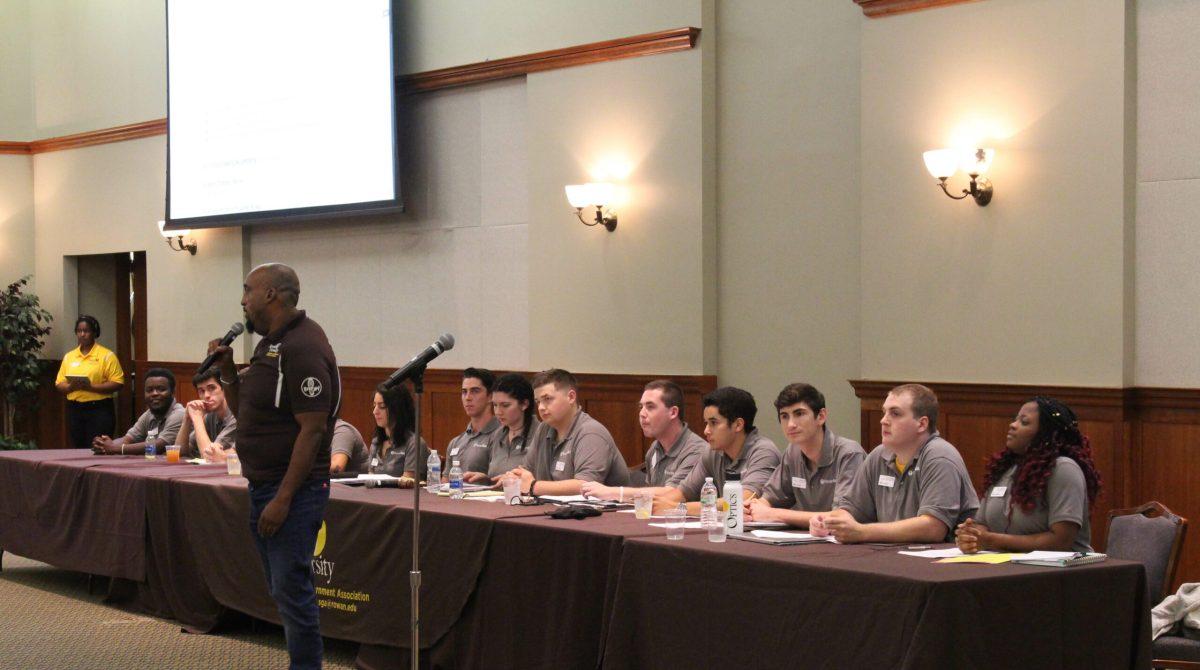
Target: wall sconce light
[
  {"x": 594, "y": 194},
  {"x": 943, "y": 163},
  {"x": 175, "y": 239}
]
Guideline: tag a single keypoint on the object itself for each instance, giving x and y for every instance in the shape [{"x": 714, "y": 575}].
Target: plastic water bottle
[
  {"x": 433, "y": 472},
  {"x": 150, "y": 449},
  {"x": 732, "y": 492},
  {"x": 708, "y": 504},
  {"x": 456, "y": 482}
]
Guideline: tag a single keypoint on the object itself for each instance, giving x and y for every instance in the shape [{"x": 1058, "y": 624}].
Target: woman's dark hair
[
  {"x": 401, "y": 414},
  {"x": 1057, "y": 435},
  {"x": 521, "y": 390},
  {"x": 92, "y": 323}
]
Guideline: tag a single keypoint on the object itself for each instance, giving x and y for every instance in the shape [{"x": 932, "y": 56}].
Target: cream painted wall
[
  {"x": 1031, "y": 288},
  {"x": 788, "y": 192},
  {"x": 16, "y": 88},
  {"x": 440, "y": 34},
  {"x": 632, "y": 300},
  {"x": 16, "y": 218},
  {"x": 455, "y": 261},
  {"x": 107, "y": 199},
  {"x": 96, "y": 296},
  {"x": 96, "y": 64},
  {"x": 1168, "y": 188}
]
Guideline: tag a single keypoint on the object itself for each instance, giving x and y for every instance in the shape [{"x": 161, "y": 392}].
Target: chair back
[{"x": 1152, "y": 535}]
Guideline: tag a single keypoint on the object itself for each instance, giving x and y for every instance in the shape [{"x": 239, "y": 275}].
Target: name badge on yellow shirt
[
  {"x": 887, "y": 480},
  {"x": 560, "y": 466},
  {"x": 799, "y": 483},
  {"x": 998, "y": 491}
]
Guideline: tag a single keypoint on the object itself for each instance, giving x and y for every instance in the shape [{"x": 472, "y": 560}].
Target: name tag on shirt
[
  {"x": 887, "y": 480},
  {"x": 75, "y": 364},
  {"x": 375, "y": 462},
  {"x": 998, "y": 491},
  {"x": 151, "y": 434},
  {"x": 799, "y": 483},
  {"x": 454, "y": 451},
  {"x": 560, "y": 466}
]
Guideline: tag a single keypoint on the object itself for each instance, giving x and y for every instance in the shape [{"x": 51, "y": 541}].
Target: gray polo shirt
[
  {"x": 399, "y": 459},
  {"x": 470, "y": 447},
  {"x": 758, "y": 460},
  {"x": 505, "y": 454},
  {"x": 587, "y": 453},
  {"x": 220, "y": 431},
  {"x": 799, "y": 484},
  {"x": 347, "y": 440},
  {"x": 670, "y": 467},
  {"x": 934, "y": 483},
  {"x": 1065, "y": 499},
  {"x": 150, "y": 427}
]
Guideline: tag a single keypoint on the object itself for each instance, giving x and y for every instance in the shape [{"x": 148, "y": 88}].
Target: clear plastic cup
[
  {"x": 172, "y": 453},
  {"x": 643, "y": 504},
  {"x": 512, "y": 490},
  {"x": 676, "y": 518},
  {"x": 233, "y": 465},
  {"x": 716, "y": 531}
]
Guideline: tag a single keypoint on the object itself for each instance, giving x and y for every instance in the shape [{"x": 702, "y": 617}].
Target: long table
[{"x": 509, "y": 587}]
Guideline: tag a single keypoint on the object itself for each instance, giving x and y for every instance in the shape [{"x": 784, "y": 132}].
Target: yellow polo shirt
[{"x": 99, "y": 365}]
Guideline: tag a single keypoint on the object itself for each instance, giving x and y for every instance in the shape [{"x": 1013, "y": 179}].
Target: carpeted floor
[{"x": 48, "y": 621}]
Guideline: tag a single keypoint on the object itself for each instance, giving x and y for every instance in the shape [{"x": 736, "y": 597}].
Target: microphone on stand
[
  {"x": 418, "y": 362},
  {"x": 236, "y": 329}
]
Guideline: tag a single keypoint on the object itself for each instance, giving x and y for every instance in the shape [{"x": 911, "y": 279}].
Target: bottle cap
[
  {"x": 733, "y": 476},
  {"x": 708, "y": 480}
]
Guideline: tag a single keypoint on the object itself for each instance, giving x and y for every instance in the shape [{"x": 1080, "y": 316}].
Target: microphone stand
[{"x": 414, "y": 576}]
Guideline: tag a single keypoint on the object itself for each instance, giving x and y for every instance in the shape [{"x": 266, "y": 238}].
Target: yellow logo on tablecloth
[{"x": 320, "y": 541}]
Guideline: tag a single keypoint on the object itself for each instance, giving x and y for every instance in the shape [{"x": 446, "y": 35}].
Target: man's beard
[{"x": 250, "y": 325}]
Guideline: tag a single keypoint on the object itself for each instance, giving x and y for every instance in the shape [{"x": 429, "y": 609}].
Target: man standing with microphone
[{"x": 286, "y": 402}]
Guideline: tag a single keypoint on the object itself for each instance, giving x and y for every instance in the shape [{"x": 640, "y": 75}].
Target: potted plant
[{"x": 24, "y": 326}]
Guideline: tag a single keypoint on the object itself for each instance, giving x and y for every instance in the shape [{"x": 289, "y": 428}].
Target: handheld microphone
[
  {"x": 236, "y": 329},
  {"x": 418, "y": 362}
]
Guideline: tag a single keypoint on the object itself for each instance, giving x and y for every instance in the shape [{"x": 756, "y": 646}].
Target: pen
[{"x": 917, "y": 547}]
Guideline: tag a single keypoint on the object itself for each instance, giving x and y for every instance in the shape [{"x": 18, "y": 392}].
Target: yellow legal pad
[{"x": 978, "y": 558}]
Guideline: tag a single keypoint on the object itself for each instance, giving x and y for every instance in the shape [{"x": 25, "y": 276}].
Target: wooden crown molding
[
  {"x": 878, "y": 8},
  {"x": 678, "y": 39},
  {"x": 665, "y": 41}
]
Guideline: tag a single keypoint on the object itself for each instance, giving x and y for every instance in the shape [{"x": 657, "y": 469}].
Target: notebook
[{"x": 1058, "y": 559}]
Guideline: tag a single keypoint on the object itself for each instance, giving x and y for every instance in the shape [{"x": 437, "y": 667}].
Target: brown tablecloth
[
  {"x": 508, "y": 587},
  {"x": 693, "y": 603}
]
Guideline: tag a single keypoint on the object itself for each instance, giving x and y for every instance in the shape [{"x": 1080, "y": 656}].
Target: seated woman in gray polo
[
  {"x": 1038, "y": 492},
  {"x": 395, "y": 448}
]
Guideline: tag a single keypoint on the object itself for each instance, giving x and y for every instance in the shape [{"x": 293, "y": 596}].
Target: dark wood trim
[
  {"x": 15, "y": 148},
  {"x": 665, "y": 41},
  {"x": 878, "y": 8}
]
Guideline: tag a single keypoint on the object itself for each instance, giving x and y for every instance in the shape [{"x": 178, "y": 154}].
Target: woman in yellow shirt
[{"x": 89, "y": 376}]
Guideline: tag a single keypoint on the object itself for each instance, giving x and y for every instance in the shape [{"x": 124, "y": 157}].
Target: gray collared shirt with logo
[
  {"x": 797, "y": 484},
  {"x": 934, "y": 483},
  {"x": 1065, "y": 499},
  {"x": 758, "y": 460},
  {"x": 670, "y": 467},
  {"x": 587, "y": 453},
  {"x": 505, "y": 454},
  {"x": 399, "y": 459},
  {"x": 470, "y": 447},
  {"x": 150, "y": 426},
  {"x": 220, "y": 431}
]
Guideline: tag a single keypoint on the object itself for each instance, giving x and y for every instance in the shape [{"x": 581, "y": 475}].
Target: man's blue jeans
[{"x": 287, "y": 561}]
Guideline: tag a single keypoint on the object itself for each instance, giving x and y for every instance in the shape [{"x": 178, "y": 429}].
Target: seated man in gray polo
[
  {"x": 209, "y": 427},
  {"x": 470, "y": 447},
  {"x": 912, "y": 488},
  {"x": 157, "y": 426},
  {"x": 817, "y": 466},
  {"x": 347, "y": 450},
  {"x": 734, "y": 444},
  {"x": 674, "y": 452},
  {"x": 569, "y": 447}
]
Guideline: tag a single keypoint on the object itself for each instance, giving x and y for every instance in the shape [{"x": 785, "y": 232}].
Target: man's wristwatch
[{"x": 531, "y": 485}]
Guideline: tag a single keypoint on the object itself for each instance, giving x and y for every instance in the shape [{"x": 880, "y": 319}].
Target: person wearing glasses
[
  {"x": 1039, "y": 490},
  {"x": 89, "y": 376}
]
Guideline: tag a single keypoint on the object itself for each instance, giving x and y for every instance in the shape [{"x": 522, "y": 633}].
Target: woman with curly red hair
[{"x": 1039, "y": 490}]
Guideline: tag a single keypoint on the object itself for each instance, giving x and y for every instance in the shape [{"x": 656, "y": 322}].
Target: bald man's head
[
  {"x": 269, "y": 293},
  {"x": 283, "y": 279}
]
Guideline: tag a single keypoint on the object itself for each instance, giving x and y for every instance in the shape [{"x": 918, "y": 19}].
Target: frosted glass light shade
[
  {"x": 596, "y": 194},
  {"x": 941, "y": 163}
]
